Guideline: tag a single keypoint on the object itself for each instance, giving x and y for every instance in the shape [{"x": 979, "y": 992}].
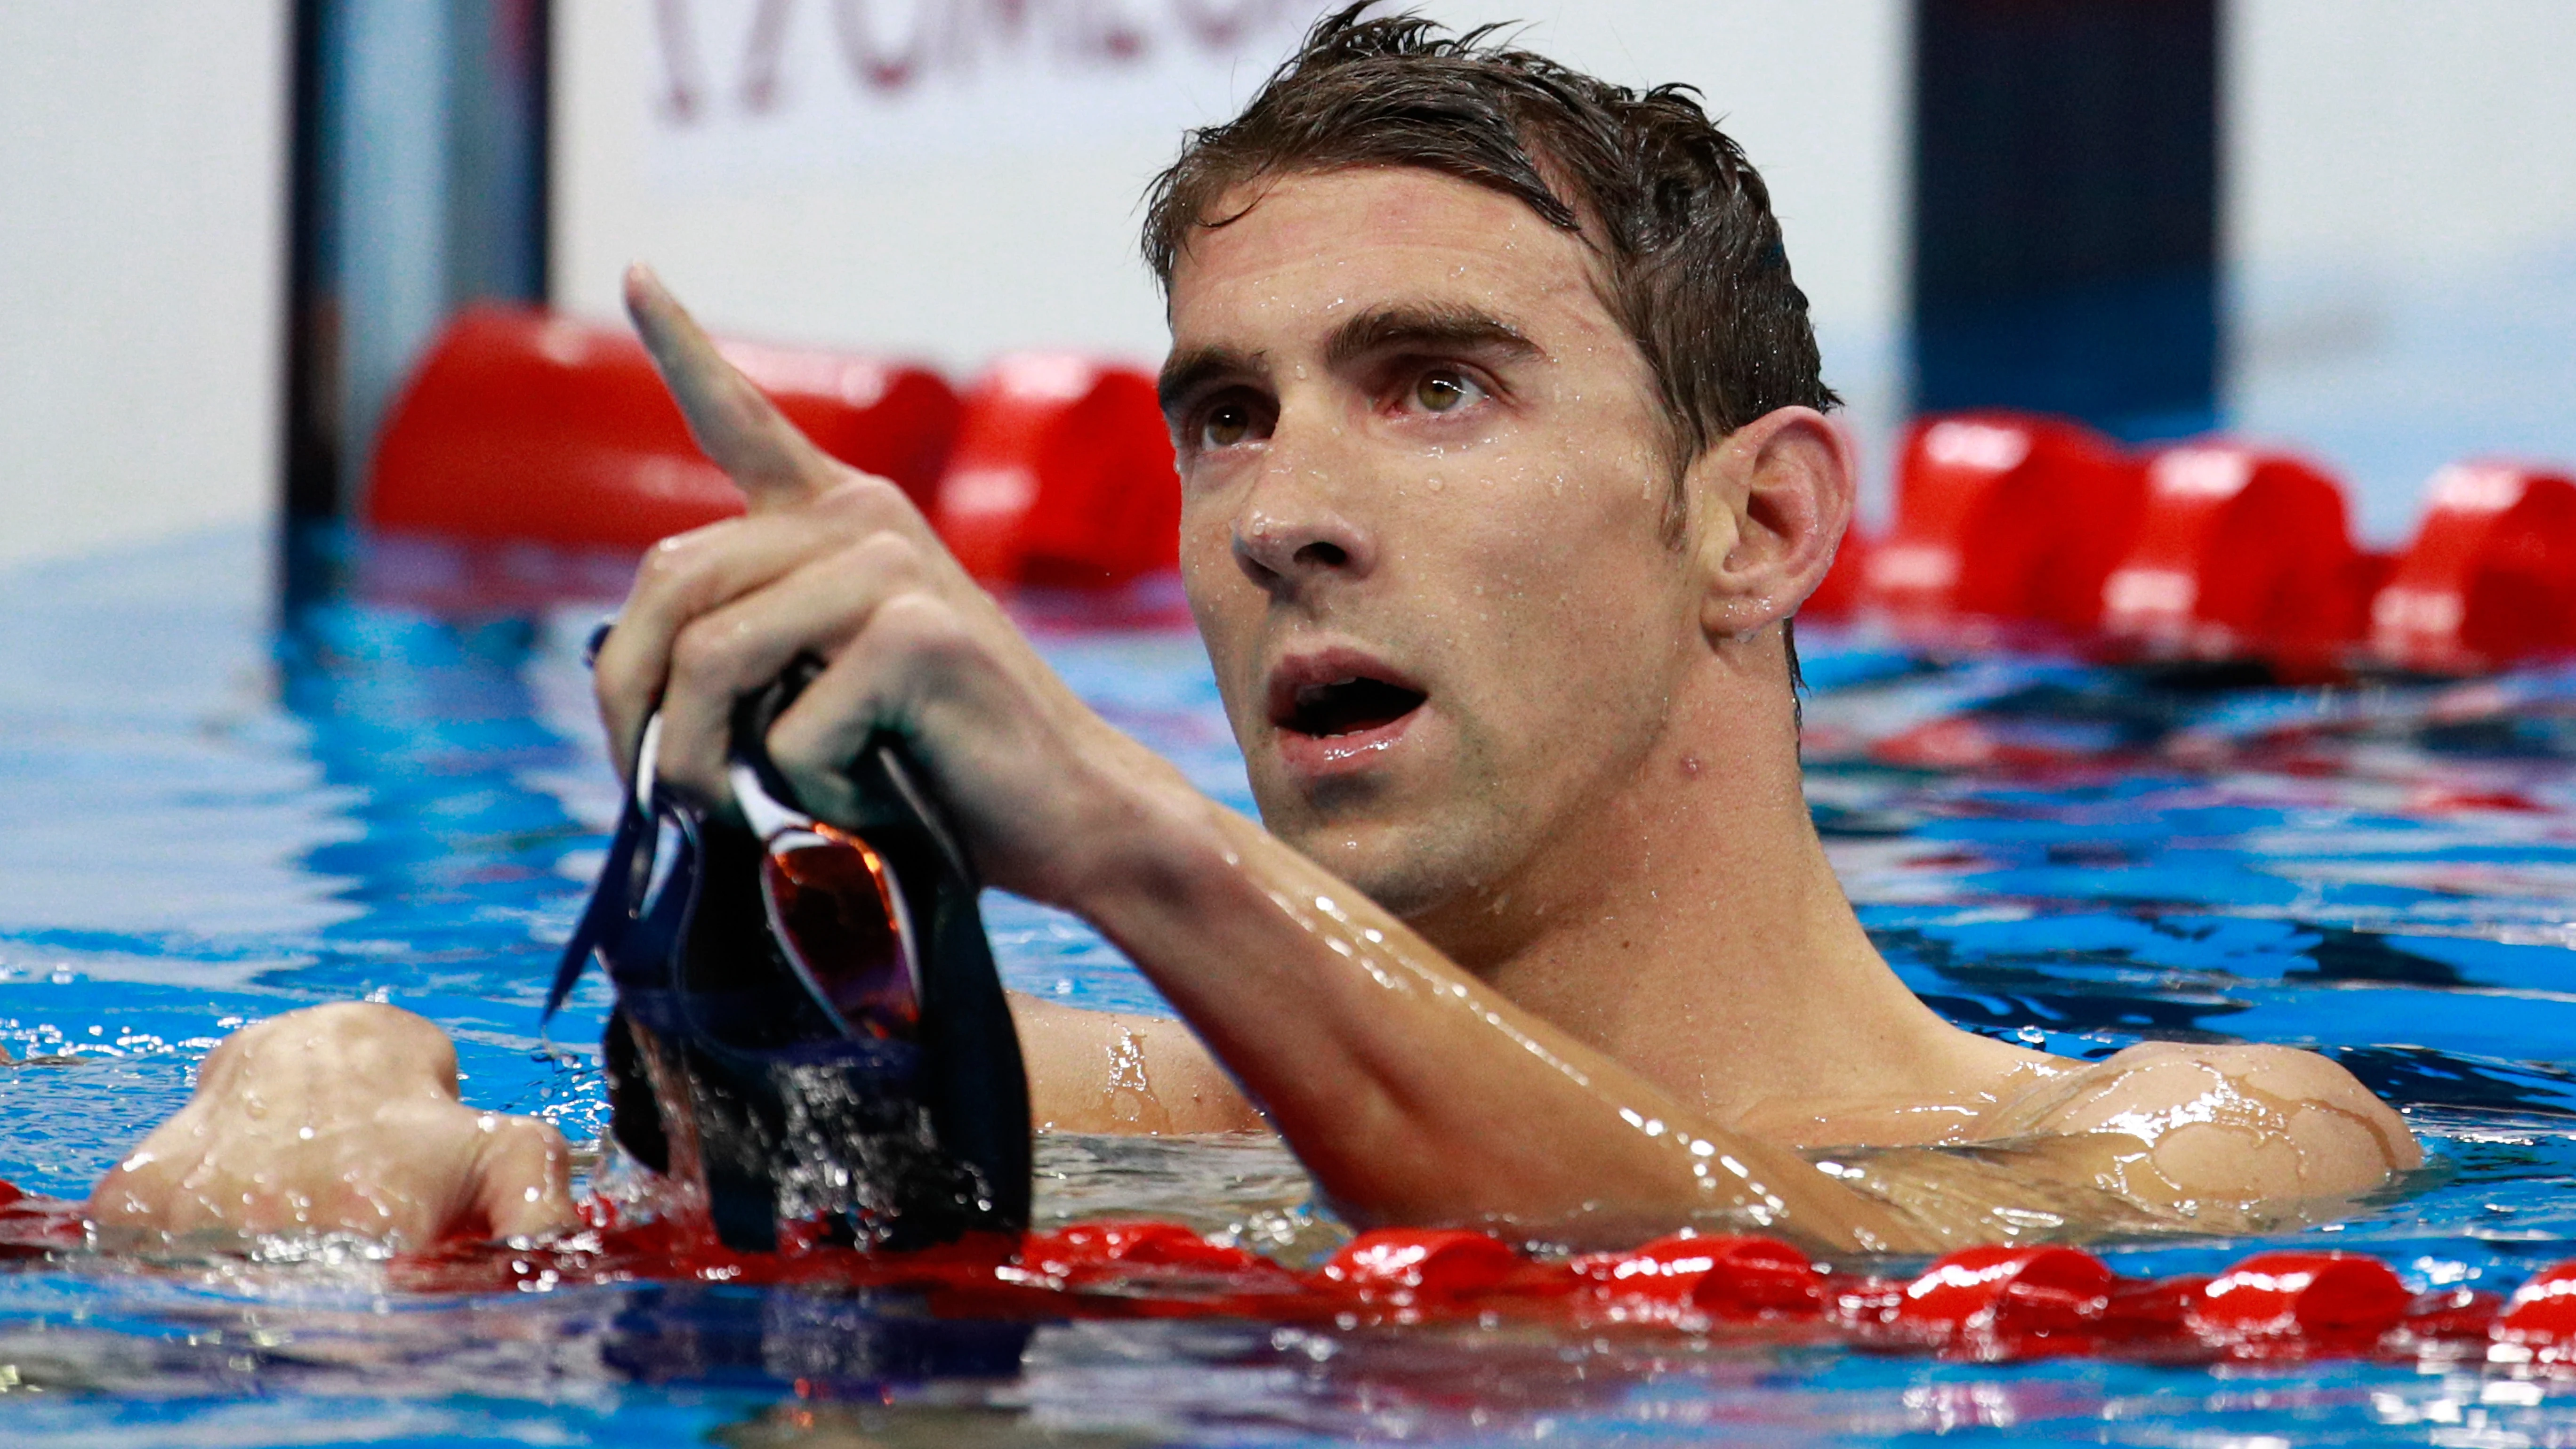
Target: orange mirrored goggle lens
[{"x": 832, "y": 903}]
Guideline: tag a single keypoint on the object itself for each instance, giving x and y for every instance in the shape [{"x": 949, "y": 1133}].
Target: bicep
[{"x": 1099, "y": 1071}]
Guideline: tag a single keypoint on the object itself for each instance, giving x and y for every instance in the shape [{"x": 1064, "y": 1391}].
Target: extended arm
[{"x": 1413, "y": 1092}]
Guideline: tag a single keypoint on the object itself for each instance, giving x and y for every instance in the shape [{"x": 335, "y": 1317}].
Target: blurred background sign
[{"x": 745, "y": 89}]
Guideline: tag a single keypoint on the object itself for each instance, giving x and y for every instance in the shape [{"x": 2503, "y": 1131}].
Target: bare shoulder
[{"x": 2252, "y": 1124}]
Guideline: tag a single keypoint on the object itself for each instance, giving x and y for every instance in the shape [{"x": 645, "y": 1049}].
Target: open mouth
[{"x": 1347, "y": 706}]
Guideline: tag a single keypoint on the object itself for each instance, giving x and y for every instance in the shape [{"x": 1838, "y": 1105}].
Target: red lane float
[
  {"x": 1409, "y": 1264},
  {"x": 525, "y": 425},
  {"x": 1983, "y": 1302},
  {"x": 1124, "y": 1243},
  {"x": 1730, "y": 1278},
  {"x": 2009, "y": 1292},
  {"x": 2005, "y": 516},
  {"x": 2539, "y": 1321},
  {"x": 2240, "y": 552},
  {"x": 1062, "y": 475},
  {"x": 2209, "y": 550},
  {"x": 2491, "y": 574},
  {"x": 2282, "y": 1295},
  {"x": 32, "y": 1227}
]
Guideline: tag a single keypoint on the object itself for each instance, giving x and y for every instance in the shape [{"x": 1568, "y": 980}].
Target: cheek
[
  {"x": 1208, "y": 572},
  {"x": 1560, "y": 556},
  {"x": 1579, "y": 626},
  {"x": 1223, "y": 603},
  {"x": 1205, "y": 527},
  {"x": 1552, "y": 498}
]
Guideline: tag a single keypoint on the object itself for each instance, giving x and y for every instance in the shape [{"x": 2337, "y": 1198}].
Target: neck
[{"x": 1690, "y": 926}]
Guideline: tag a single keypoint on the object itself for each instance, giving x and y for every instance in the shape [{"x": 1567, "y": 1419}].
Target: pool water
[{"x": 214, "y": 808}]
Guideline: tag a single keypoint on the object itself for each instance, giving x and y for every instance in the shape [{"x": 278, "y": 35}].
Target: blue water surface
[{"x": 215, "y": 807}]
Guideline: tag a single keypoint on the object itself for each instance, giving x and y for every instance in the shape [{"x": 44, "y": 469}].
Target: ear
[{"x": 1772, "y": 499}]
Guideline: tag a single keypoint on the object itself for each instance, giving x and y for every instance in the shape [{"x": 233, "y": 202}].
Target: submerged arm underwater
[{"x": 1413, "y": 1091}]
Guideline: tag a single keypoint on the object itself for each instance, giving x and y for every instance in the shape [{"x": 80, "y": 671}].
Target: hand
[
  {"x": 340, "y": 1118},
  {"x": 838, "y": 564}
]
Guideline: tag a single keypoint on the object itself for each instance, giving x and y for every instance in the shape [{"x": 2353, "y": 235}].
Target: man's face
[{"x": 1423, "y": 525}]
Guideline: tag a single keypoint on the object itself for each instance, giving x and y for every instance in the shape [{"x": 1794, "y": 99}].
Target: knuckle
[
  {"x": 664, "y": 559},
  {"x": 925, "y": 626},
  {"x": 681, "y": 556},
  {"x": 616, "y": 678},
  {"x": 885, "y": 554},
  {"x": 702, "y": 654},
  {"x": 536, "y": 1137},
  {"x": 869, "y": 500},
  {"x": 799, "y": 755},
  {"x": 352, "y": 1020}
]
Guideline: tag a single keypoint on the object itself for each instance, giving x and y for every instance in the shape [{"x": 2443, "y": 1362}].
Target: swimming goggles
[{"x": 808, "y": 1017}]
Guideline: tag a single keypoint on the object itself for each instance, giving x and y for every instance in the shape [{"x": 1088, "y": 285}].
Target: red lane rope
[
  {"x": 1986, "y": 1303},
  {"x": 1055, "y": 469}
]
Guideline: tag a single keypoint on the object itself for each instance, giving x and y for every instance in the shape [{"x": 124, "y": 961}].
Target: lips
[
  {"x": 1349, "y": 706},
  {"x": 1332, "y": 706},
  {"x": 1338, "y": 693}
]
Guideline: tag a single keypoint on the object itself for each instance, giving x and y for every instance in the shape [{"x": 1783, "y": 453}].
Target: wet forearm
[{"x": 1416, "y": 1093}]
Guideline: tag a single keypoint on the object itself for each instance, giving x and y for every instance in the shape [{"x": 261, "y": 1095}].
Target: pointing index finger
[{"x": 773, "y": 463}]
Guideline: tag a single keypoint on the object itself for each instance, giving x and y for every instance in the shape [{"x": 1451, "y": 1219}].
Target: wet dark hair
[{"x": 1691, "y": 261}]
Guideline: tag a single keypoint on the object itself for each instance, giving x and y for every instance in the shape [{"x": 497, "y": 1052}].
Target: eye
[
  {"x": 1226, "y": 424},
  {"x": 1444, "y": 390}
]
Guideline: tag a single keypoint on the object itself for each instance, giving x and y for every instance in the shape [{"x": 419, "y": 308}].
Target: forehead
[{"x": 1310, "y": 249}]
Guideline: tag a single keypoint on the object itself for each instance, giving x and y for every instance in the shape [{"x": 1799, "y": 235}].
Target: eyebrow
[
  {"x": 1426, "y": 327},
  {"x": 1432, "y": 327},
  {"x": 1185, "y": 373}
]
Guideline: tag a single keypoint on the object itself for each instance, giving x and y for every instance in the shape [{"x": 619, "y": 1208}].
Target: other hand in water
[
  {"x": 339, "y": 1118},
  {"x": 1497, "y": 501}
]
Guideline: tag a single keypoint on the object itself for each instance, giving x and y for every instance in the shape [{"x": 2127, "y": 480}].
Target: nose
[{"x": 1290, "y": 535}]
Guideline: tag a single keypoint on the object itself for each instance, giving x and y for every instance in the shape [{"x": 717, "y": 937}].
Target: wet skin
[{"x": 1539, "y": 935}]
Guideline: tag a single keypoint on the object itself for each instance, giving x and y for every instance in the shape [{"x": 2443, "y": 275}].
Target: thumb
[
  {"x": 769, "y": 459},
  {"x": 523, "y": 1186}
]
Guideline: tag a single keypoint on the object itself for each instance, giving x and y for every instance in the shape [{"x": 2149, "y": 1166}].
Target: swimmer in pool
[{"x": 1505, "y": 463}]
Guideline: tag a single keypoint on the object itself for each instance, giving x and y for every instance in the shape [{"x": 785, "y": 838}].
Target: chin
[{"x": 1408, "y": 870}]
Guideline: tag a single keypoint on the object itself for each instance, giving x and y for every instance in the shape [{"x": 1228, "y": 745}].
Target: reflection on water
[
  {"x": 204, "y": 820},
  {"x": 1241, "y": 1188}
]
